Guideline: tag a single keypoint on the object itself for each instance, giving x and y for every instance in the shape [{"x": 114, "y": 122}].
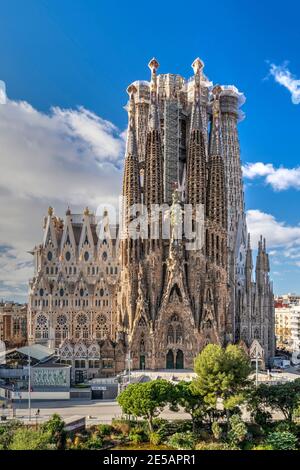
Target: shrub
[
  {"x": 7, "y": 431},
  {"x": 282, "y": 440},
  {"x": 55, "y": 428},
  {"x": 288, "y": 426},
  {"x": 182, "y": 441},
  {"x": 121, "y": 426},
  {"x": 105, "y": 429},
  {"x": 238, "y": 430},
  {"x": 168, "y": 428},
  {"x": 216, "y": 430},
  {"x": 135, "y": 437},
  {"x": 155, "y": 438},
  {"x": 138, "y": 435},
  {"x": 261, "y": 417},
  {"x": 204, "y": 434},
  {"x": 262, "y": 447},
  {"x": 159, "y": 422},
  {"x": 29, "y": 439},
  {"x": 93, "y": 443},
  {"x": 212, "y": 446}
]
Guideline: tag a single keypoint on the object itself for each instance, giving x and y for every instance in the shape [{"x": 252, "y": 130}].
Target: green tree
[
  {"x": 147, "y": 400},
  {"x": 216, "y": 430},
  {"x": 55, "y": 428},
  {"x": 282, "y": 397},
  {"x": 192, "y": 402},
  {"x": 283, "y": 440},
  {"x": 182, "y": 441},
  {"x": 238, "y": 430},
  {"x": 222, "y": 374},
  {"x": 7, "y": 431},
  {"x": 30, "y": 439}
]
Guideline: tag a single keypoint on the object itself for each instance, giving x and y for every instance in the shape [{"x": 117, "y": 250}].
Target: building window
[
  {"x": 86, "y": 255},
  {"x": 49, "y": 255},
  {"x": 80, "y": 364},
  {"x": 68, "y": 256}
]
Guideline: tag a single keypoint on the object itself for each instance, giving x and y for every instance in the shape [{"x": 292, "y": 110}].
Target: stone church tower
[
  {"x": 172, "y": 300},
  {"x": 181, "y": 274}
]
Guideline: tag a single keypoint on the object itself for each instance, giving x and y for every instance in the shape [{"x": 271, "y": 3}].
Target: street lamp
[
  {"x": 129, "y": 365},
  {"x": 256, "y": 369},
  {"x": 37, "y": 414},
  {"x": 29, "y": 385}
]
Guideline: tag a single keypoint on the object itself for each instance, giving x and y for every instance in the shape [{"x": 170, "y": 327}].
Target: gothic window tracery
[
  {"x": 102, "y": 330},
  {"x": 81, "y": 330},
  {"x": 41, "y": 329},
  {"x": 175, "y": 331},
  {"x": 256, "y": 333}
]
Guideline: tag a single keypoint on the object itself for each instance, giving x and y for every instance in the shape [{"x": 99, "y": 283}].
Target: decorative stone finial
[
  {"x": 197, "y": 66},
  {"x": 50, "y": 211},
  {"x": 68, "y": 211},
  {"x": 131, "y": 90},
  {"x": 153, "y": 65},
  {"x": 216, "y": 91},
  {"x": 86, "y": 211}
]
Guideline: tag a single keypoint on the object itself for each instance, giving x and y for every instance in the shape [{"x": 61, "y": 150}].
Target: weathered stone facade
[{"x": 154, "y": 296}]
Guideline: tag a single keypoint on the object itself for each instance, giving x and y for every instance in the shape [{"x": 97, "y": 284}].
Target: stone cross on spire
[
  {"x": 153, "y": 112},
  {"x": 197, "y": 66},
  {"x": 215, "y": 141},
  {"x": 131, "y": 138}
]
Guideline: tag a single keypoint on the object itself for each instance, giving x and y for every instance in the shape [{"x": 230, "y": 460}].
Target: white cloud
[
  {"x": 279, "y": 178},
  {"x": 277, "y": 234},
  {"x": 66, "y": 156},
  {"x": 2, "y": 92},
  {"x": 284, "y": 77},
  {"x": 253, "y": 170}
]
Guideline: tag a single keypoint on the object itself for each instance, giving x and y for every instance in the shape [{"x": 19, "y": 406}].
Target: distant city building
[
  {"x": 13, "y": 324},
  {"x": 283, "y": 332},
  {"x": 287, "y": 322},
  {"x": 295, "y": 329},
  {"x": 153, "y": 303}
]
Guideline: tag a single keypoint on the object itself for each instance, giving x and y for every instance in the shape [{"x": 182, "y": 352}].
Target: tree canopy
[
  {"x": 147, "y": 400},
  {"x": 221, "y": 374},
  {"x": 283, "y": 397}
]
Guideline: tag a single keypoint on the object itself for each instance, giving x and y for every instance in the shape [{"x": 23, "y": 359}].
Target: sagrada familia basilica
[{"x": 104, "y": 301}]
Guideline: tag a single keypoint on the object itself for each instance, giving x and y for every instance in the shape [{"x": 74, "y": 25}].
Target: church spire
[
  {"x": 248, "y": 264},
  {"x": 216, "y": 199},
  {"x": 196, "y": 119},
  {"x": 215, "y": 144},
  {"x": 131, "y": 181},
  {"x": 153, "y": 185},
  {"x": 196, "y": 166}
]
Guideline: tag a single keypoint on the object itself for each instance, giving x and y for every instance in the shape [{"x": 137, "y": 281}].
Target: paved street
[{"x": 96, "y": 411}]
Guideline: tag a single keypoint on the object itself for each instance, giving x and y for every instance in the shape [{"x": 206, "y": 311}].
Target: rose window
[
  {"x": 61, "y": 320},
  {"x": 101, "y": 319},
  {"x": 42, "y": 320},
  {"x": 81, "y": 319}
]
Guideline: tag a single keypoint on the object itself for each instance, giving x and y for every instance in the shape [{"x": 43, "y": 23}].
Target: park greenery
[{"x": 227, "y": 412}]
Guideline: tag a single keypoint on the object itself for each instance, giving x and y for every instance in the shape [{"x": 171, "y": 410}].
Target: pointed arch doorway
[
  {"x": 170, "y": 360},
  {"x": 142, "y": 362},
  {"x": 179, "y": 360}
]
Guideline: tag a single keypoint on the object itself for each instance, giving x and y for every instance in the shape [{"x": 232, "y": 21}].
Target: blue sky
[{"x": 79, "y": 56}]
